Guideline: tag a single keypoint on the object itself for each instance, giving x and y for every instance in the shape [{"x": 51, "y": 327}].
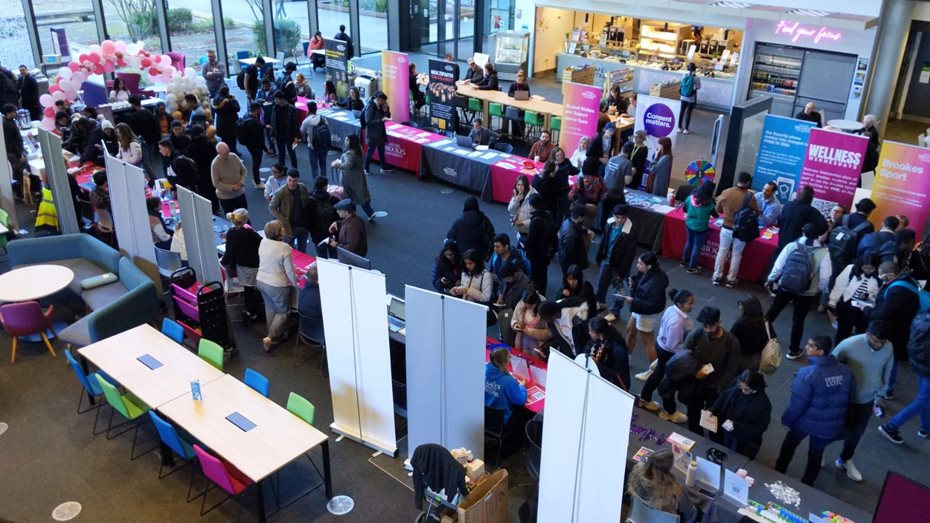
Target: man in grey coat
[{"x": 376, "y": 113}]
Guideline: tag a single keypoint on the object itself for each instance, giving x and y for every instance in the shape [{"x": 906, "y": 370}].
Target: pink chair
[
  {"x": 131, "y": 80},
  {"x": 177, "y": 60},
  {"x": 223, "y": 475},
  {"x": 25, "y": 318}
]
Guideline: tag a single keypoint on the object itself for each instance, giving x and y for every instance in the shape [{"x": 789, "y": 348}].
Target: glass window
[
  {"x": 65, "y": 26},
  {"x": 373, "y": 24},
  {"x": 332, "y": 14},
  {"x": 132, "y": 21},
  {"x": 466, "y": 29},
  {"x": 14, "y": 41},
  {"x": 245, "y": 30},
  {"x": 292, "y": 29},
  {"x": 190, "y": 28}
]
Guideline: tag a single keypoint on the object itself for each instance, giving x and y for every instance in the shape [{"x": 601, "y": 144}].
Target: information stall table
[
  {"x": 504, "y": 174},
  {"x": 757, "y": 256},
  {"x": 647, "y": 212},
  {"x": 276, "y": 439},
  {"x": 33, "y": 282},
  {"x": 119, "y": 355},
  {"x": 404, "y": 148},
  {"x": 528, "y": 367}
]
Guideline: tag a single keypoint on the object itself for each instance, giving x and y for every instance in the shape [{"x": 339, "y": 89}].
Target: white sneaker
[
  {"x": 644, "y": 375},
  {"x": 686, "y": 131},
  {"x": 677, "y": 417},
  {"x": 678, "y": 130},
  {"x": 851, "y": 471},
  {"x": 259, "y": 186}
]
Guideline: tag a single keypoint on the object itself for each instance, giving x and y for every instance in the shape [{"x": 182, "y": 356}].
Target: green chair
[
  {"x": 303, "y": 409},
  {"x": 131, "y": 407},
  {"x": 495, "y": 109},
  {"x": 211, "y": 352},
  {"x": 534, "y": 120},
  {"x": 555, "y": 127},
  {"x": 474, "y": 105}
]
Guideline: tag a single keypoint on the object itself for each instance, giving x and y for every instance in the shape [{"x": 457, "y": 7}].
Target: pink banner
[
  {"x": 832, "y": 165},
  {"x": 395, "y": 76},
  {"x": 902, "y": 184},
  {"x": 580, "y": 105}
]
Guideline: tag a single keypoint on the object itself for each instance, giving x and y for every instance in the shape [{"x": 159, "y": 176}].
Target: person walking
[
  {"x": 898, "y": 303},
  {"x": 753, "y": 332},
  {"x": 228, "y": 175},
  {"x": 670, "y": 340},
  {"x": 690, "y": 85},
  {"x": 376, "y": 113},
  {"x": 728, "y": 203},
  {"x": 615, "y": 253},
  {"x": 226, "y": 113},
  {"x": 870, "y": 358},
  {"x": 919, "y": 355},
  {"x": 820, "y": 396},
  {"x": 646, "y": 301},
  {"x": 855, "y": 289},
  {"x": 251, "y": 134},
  {"x": 276, "y": 279},
  {"x": 354, "y": 183},
  {"x": 316, "y": 142},
  {"x": 540, "y": 242},
  {"x": 801, "y": 270},
  {"x": 284, "y": 128}
]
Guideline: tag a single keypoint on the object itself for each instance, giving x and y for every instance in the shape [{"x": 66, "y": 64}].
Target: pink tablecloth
[
  {"x": 504, "y": 174},
  {"x": 404, "y": 148},
  {"x": 534, "y": 404}
]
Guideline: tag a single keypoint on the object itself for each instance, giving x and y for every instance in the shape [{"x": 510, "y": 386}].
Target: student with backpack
[
  {"x": 740, "y": 213},
  {"x": 316, "y": 131},
  {"x": 881, "y": 242},
  {"x": 800, "y": 271},
  {"x": 690, "y": 84},
  {"x": 251, "y": 134},
  {"x": 845, "y": 236}
]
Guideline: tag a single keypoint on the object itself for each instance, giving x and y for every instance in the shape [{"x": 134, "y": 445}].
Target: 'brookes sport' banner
[
  {"x": 657, "y": 117},
  {"x": 441, "y": 90},
  {"x": 832, "y": 166},
  {"x": 395, "y": 73},
  {"x": 337, "y": 65},
  {"x": 580, "y": 107},
  {"x": 902, "y": 184}
]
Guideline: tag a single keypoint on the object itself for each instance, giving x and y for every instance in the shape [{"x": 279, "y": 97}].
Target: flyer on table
[
  {"x": 832, "y": 166},
  {"x": 781, "y": 154},
  {"x": 395, "y": 75},
  {"x": 581, "y": 105},
  {"x": 902, "y": 184}
]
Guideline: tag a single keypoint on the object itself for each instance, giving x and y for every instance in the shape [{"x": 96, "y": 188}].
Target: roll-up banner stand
[
  {"x": 199, "y": 239},
  {"x": 56, "y": 178}
]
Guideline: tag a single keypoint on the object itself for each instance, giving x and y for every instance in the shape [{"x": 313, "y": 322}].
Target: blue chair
[
  {"x": 89, "y": 387},
  {"x": 242, "y": 55},
  {"x": 169, "y": 436},
  {"x": 258, "y": 382},
  {"x": 173, "y": 330}
]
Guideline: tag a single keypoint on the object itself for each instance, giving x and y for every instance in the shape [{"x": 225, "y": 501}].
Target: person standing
[
  {"x": 897, "y": 303},
  {"x": 519, "y": 206},
  {"x": 572, "y": 244},
  {"x": 869, "y": 357},
  {"x": 820, "y": 397},
  {"x": 615, "y": 253},
  {"x": 540, "y": 242},
  {"x": 251, "y": 134},
  {"x": 728, "y": 203},
  {"x": 473, "y": 229},
  {"x": 290, "y": 206},
  {"x": 214, "y": 72},
  {"x": 670, "y": 340},
  {"x": 252, "y": 75},
  {"x": 753, "y": 332},
  {"x": 661, "y": 168},
  {"x": 639, "y": 156},
  {"x": 242, "y": 244},
  {"x": 698, "y": 207},
  {"x": 29, "y": 93},
  {"x": 203, "y": 152},
  {"x": 919, "y": 353},
  {"x": 743, "y": 413},
  {"x": 795, "y": 214},
  {"x": 284, "y": 128},
  {"x": 854, "y": 289},
  {"x": 376, "y": 113},
  {"x": 276, "y": 279},
  {"x": 315, "y": 144},
  {"x": 690, "y": 84},
  {"x": 646, "y": 301},
  {"x": 226, "y": 115},
  {"x": 342, "y": 35},
  {"x": 354, "y": 182},
  {"x": 349, "y": 231},
  {"x": 801, "y": 270},
  {"x": 228, "y": 174},
  {"x": 617, "y": 172}
]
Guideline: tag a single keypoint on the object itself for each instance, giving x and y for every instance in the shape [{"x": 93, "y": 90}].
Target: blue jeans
[
  {"x": 299, "y": 238},
  {"x": 370, "y": 152},
  {"x": 893, "y": 379},
  {"x": 318, "y": 162},
  {"x": 693, "y": 245},
  {"x": 920, "y": 405},
  {"x": 605, "y": 276},
  {"x": 277, "y": 308}
]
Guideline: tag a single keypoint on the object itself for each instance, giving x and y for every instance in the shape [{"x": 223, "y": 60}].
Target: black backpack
[
  {"x": 250, "y": 131},
  {"x": 746, "y": 221},
  {"x": 843, "y": 242},
  {"x": 321, "y": 137},
  {"x": 798, "y": 271},
  {"x": 326, "y": 212},
  {"x": 240, "y": 79},
  {"x": 361, "y": 115}
]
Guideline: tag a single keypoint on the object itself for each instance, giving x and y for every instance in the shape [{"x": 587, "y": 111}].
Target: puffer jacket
[
  {"x": 820, "y": 395},
  {"x": 649, "y": 292},
  {"x": 472, "y": 230},
  {"x": 919, "y": 346}
]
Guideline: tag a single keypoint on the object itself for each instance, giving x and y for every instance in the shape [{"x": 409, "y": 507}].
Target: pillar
[{"x": 892, "y": 37}]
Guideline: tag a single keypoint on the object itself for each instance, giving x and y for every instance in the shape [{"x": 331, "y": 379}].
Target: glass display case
[{"x": 511, "y": 54}]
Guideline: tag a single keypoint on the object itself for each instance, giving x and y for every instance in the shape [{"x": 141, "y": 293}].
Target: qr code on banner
[{"x": 825, "y": 207}]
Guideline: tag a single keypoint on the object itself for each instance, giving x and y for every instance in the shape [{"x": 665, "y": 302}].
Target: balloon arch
[{"x": 108, "y": 56}]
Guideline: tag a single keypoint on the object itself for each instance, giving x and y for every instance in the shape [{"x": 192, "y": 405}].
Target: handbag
[{"x": 771, "y": 354}]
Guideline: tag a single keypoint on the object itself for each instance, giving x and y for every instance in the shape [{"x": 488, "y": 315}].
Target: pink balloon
[
  {"x": 154, "y": 71},
  {"x": 108, "y": 47},
  {"x": 120, "y": 46},
  {"x": 78, "y": 78},
  {"x": 48, "y": 124},
  {"x": 83, "y": 57},
  {"x": 99, "y": 69},
  {"x": 94, "y": 57},
  {"x": 109, "y": 67},
  {"x": 74, "y": 66},
  {"x": 146, "y": 62},
  {"x": 49, "y": 112},
  {"x": 52, "y": 89},
  {"x": 58, "y": 95},
  {"x": 47, "y": 101}
]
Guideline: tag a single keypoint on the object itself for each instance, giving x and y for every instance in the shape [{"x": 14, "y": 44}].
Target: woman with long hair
[
  {"x": 564, "y": 170},
  {"x": 519, "y": 206},
  {"x": 752, "y": 330},
  {"x": 130, "y": 151},
  {"x": 119, "y": 93},
  {"x": 526, "y": 321},
  {"x": 646, "y": 301},
  {"x": 581, "y": 152},
  {"x": 354, "y": 181},
  {"x": 353, "y": 101},
  {"x": 576, "y": 291},
  {"x": 160, "y": 236},
  {"x": 698, "y": 209},
  {"x": 855, "y": 288},
  {"x": 670, "y": 340},
  {"x": 653, "y": 482},
  {"x": 447, "y": 271},
  {"x": 638, "y": 157},
  {"x": 661, "y": 168},
  {"x": 303, "y": 86},
  {"x": 477, "y": 283},
  {"x": 608, "y": 350}
]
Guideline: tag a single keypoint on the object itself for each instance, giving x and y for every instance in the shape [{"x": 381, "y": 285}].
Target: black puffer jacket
[
  {"x": 472, "y": 230},
  {"x": 750, "y": 415},
  {"x": 649, "y": 292}
]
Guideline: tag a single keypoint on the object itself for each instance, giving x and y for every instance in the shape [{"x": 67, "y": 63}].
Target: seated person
[
  {"x": 353, "y": 101},
  {"x": 502, "y": 391},
  {"x": 160, "y": 236},
  {"x": 479, "y": 135},
  {"x": 652, "y": 481},
  {"x": 474, "y": 74},
  {"x": 541, "y": 149},
  {"x": 519, "y": 85},
  {"x": 489, "y": 81},
  {"x": 119, "y": 93}
]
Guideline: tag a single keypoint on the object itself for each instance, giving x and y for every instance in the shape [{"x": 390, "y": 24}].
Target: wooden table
[
  {"x": 117, "y": 356},
  {"x": 33, "y": 282},
  {"x": 846, "y": 126},
  {"x": 278, "y": 438}
]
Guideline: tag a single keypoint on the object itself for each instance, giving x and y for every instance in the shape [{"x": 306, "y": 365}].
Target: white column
[{"x": 892, "y": 37}]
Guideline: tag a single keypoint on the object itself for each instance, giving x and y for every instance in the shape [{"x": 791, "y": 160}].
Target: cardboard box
[
  {"x": 448, "y": 516},
  {"x": 474, "y": 469},
  {"x": 487, "y": 503}
]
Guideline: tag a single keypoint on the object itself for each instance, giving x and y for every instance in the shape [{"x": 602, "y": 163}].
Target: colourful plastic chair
[
  {"x": 211, "y": 352},
  {"x": 222, "y": 474},
  {"x": 25, "y": 318},
  {"x": 534, "y": 120},
  {"x": 173, "y": 330},
  {"x": 555, "y": 127},
  {"x": 474, "y": 105},
  {"x": 495, "y": 109},
  {"x": 256, "y": 381},
  {"x": 89, "y": 387},
  {"x": 169, "y": 436},
  {"x": 131, "y": 407},
  {"x": 303, "y": 409}
]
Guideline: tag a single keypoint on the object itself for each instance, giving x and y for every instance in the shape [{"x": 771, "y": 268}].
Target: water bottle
[{"x": 691, "y": 476}]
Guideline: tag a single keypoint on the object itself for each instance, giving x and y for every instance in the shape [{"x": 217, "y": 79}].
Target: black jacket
[
  {"x": 241, "y": 247},
  {"x": 571, "y": 245},
  {"x": 142, "y": 122},
  {"x": 489, "y": 82},
  {"x": 596, "y": 147},
  {"x": 226, "y": 117},
  {"x": 514, "y": 290},
  {"x": 202, "y": 151},
  {"x": 898, "y": 305},
  {"x": 472, "y": 230},
  {"x": 919, "y": 346},
  {"x": 93, "y": 150},
  {"x": 434, "y": 467},
  {"x": 186, "y": 172},
  {"x": 540, "y": 238},
  {"x": 750, "y": 416},
  {"x": 792, "y": 219},
  {"x": 12, "y": 139},
  {"x": 375, "y": 132},
  {"x": 283, "y": 122},
  {"x": 29, "y": 96},
  {"x": 621, "y": 257},
  {"x": 648, "y": 292},
  {"x": 251, "y": 132},
  {"x": 751, "y": 335}
]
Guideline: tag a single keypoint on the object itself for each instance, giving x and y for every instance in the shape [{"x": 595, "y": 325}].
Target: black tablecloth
[
  {"x": 648, "y": 223},
  {"x": 469, "y": 172},
  {"x": 341, "y": 124}
]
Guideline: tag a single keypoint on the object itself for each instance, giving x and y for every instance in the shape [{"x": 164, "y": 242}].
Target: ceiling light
[
  {"x": 731, "y": 5},
  {"x": 809, "y": 12}
]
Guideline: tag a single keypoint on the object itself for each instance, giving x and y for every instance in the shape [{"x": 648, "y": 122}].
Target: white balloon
[
  {"x": 71, "y": 94},
  {"x": 58, "y": 95},
  {"x": 132, "y": 49},
  {"x": 78, "y": 78},
  {"x": 65, "y": 85},
  {"x": 190, "y": 73},
  {"x": 201, "y": 81},
  {"x": 95, "y": 49},
  {"x": 171, "y": 98},
  {"x": 65, "y": 73}
]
